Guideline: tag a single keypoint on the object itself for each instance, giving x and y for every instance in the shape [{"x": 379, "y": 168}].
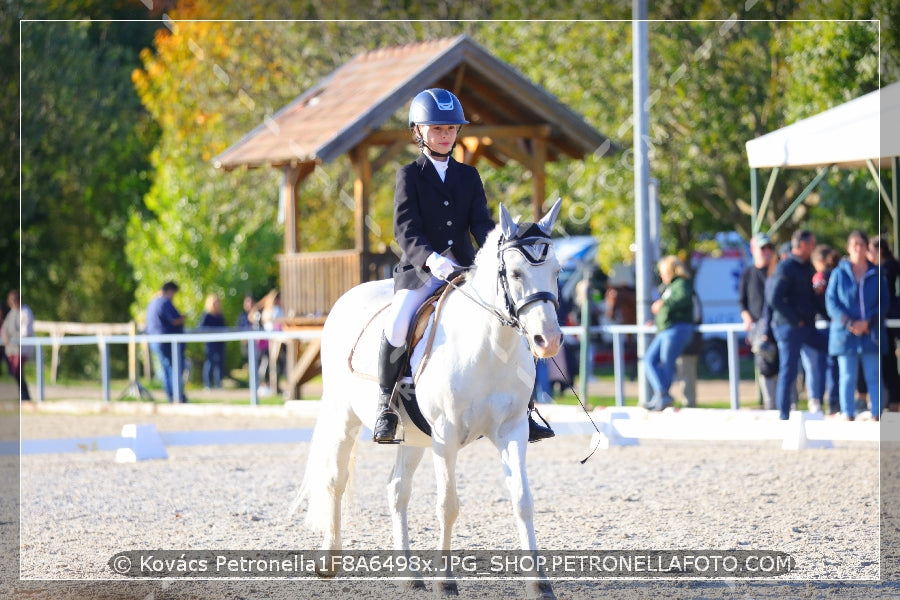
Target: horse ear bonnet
[{"x": 531, "y": 241}]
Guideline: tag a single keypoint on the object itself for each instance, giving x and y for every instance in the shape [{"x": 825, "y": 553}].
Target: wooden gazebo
[{"x": 511, "y": 119}]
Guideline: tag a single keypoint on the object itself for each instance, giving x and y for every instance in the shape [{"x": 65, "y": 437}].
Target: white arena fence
[
  {"x": 732, "y": 331},
  {"x": 611, "y": 426},
  {"x": 103, "y": 342}
]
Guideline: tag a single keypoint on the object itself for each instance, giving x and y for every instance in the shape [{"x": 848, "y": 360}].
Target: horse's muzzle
[{"x": 545, "y": 346}]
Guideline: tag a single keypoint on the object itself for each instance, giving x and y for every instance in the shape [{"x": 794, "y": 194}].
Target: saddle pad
[{"x": 364, "y": 357}]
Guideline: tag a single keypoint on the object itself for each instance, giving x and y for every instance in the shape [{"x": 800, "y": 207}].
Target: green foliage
[
  {"x": 119, "y": 194},
  {"x": 84, "y": 166},
  {"x": 84, "y": 146},
  {"x": 211, "y": 232}
]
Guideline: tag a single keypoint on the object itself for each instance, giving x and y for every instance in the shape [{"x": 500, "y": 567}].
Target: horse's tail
[{"x": 329, "y": 466}]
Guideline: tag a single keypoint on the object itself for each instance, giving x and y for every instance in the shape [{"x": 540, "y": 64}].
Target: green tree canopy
[
  {"x": 84, "y": 167},
  {"x": 102, "y": 235}
]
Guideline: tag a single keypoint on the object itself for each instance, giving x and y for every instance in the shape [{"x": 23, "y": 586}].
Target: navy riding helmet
[{"x": 436, "y": 106}]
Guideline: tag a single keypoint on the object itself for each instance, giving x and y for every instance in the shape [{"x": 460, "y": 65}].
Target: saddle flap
[{"x": 421, "y": 319}]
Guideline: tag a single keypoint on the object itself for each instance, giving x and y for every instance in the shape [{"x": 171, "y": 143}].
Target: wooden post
[
  {"x": 539, "y": 179},
  {"x": 293, "y": 174},
  {"x": 290, "y": 175},
  {"x": 362, "y": 185},
  {"x": 361, "y": 190}
]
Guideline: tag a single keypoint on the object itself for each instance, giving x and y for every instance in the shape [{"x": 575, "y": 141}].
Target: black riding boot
[
  {"x": 537, "y": 432},
  {"x": 390, "y": 361}
]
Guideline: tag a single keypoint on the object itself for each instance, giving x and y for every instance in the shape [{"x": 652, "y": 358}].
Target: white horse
[{"x": 476, "y": 383}]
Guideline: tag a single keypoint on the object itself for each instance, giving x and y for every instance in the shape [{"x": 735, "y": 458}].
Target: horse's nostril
[{"x": 540, "y": 341}]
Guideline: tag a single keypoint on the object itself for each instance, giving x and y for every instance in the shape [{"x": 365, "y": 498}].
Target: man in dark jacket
[
  {"x": 794, "y": 305},
  {"x": 752, "y": 299}
]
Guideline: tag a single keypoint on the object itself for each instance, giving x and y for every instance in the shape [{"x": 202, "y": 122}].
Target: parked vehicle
[{"x": 716, "y": 283}]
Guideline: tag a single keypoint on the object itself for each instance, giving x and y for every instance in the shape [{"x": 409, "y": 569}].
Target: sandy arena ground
[{"x": 78, "y": 510}]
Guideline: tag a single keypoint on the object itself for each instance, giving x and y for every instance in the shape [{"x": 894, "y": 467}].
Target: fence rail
[
  {"x": 618, "y": 333},
  {"x": 103, "y": 342}
]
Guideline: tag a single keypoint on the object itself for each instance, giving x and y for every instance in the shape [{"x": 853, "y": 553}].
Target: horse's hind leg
[{"x": 399, "y": 490}]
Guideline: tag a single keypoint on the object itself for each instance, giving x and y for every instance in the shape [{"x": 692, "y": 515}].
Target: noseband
[{"x": 535, "y": 249}]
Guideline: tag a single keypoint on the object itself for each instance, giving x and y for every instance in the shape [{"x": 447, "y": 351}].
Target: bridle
[{"x": 535, "y": 249}]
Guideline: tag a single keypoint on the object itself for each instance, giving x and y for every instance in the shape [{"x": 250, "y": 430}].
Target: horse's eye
[{"x": 516, "y": 274}]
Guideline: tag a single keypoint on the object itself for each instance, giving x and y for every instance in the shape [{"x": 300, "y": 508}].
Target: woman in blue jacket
[{"x": 855, "y": 292}]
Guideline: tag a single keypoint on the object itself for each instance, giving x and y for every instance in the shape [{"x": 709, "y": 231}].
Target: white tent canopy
[{"x": 846, "y": 135}]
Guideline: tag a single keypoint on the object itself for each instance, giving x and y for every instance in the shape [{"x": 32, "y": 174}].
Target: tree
[
  {"x": 714, "y": 85},
  {"x": 84, "y": 145}
]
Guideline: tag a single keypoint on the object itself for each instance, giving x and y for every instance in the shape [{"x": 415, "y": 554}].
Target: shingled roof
[{"x": 356, "y": 99}]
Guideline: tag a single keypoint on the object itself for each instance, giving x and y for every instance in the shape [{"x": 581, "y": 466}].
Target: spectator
[
  {"x": 765, "y": 357},
  {"x": 784, "y": 251},
  {"x": 163, "y": 318},
  {"x": 853, "y": 296},
  {"x": 4, "y": 310},
  {"x": 686, "y": 364},
  {"x": 244, "y": 323},
  {"x": 214, "y": 361},
  {"x": 824, "y": 259},
  {"x": 19, "y": 323},
  {"x": 674, "y": 312},
  {"x": 794, "y": 306},
  {"x": 270, "y": 319},
  {"x": 752, "y": 299},
  {"x": 881, "y": 255}
]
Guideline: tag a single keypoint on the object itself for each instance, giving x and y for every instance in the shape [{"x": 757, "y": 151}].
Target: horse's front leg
[
  {"x": 399, "y": 490},
  {"x": 512, "y": 448},
  {"x": 445, "y": 446}
]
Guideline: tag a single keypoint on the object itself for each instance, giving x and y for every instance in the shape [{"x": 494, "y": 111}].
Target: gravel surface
[{"x": 78, "y": 510}]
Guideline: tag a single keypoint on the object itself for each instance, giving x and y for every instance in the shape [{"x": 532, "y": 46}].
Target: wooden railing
[
  {"x": 58, "y": 329},
  {"x": 311, "y": 282}
]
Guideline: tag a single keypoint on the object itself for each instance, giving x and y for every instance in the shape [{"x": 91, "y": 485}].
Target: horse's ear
[
  {"x": 507, "y": 224},
  {"x": 546, "y": 223}
]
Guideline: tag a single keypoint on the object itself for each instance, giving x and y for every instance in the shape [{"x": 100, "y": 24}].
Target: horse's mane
[{"x": 487, "y": 254}]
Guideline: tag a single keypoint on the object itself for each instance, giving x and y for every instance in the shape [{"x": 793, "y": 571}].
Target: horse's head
[{"x": 528, "y": 271}]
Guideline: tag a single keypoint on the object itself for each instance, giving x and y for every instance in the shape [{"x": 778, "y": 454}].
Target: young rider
[{"x": 439, "y": 206}]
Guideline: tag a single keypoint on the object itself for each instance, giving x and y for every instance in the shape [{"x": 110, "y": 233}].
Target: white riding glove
[{"x": 441, "y": 266}]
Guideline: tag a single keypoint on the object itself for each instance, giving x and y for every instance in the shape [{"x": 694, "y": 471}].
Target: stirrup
[
  {"x": 379, "y": 436},
  {"x": 537, "y": 432}
]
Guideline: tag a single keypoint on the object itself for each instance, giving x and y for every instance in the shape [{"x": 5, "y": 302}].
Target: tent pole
[
  {"x": 876, "y": 175},
  {"x": 768, "y": 195},
  {"x": 790, "y": 209},
  {"x": 754, "y": 202}
]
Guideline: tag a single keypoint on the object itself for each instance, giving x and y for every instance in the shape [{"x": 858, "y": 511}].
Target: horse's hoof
[
  {"x": 542, "y": 590},
  {"x": 415, "y": 584},
  {"x": 323, "y": 574},
  {"x": 449, "y": 588}
]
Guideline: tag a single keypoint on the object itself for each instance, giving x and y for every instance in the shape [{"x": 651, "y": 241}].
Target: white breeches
[{"x": 403, "y": 309}]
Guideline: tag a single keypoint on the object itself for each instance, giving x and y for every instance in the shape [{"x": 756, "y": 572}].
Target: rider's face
[{"x": 439, "y": 138}]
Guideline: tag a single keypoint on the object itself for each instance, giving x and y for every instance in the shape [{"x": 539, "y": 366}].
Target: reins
[{"x": 509, "y": 322}]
